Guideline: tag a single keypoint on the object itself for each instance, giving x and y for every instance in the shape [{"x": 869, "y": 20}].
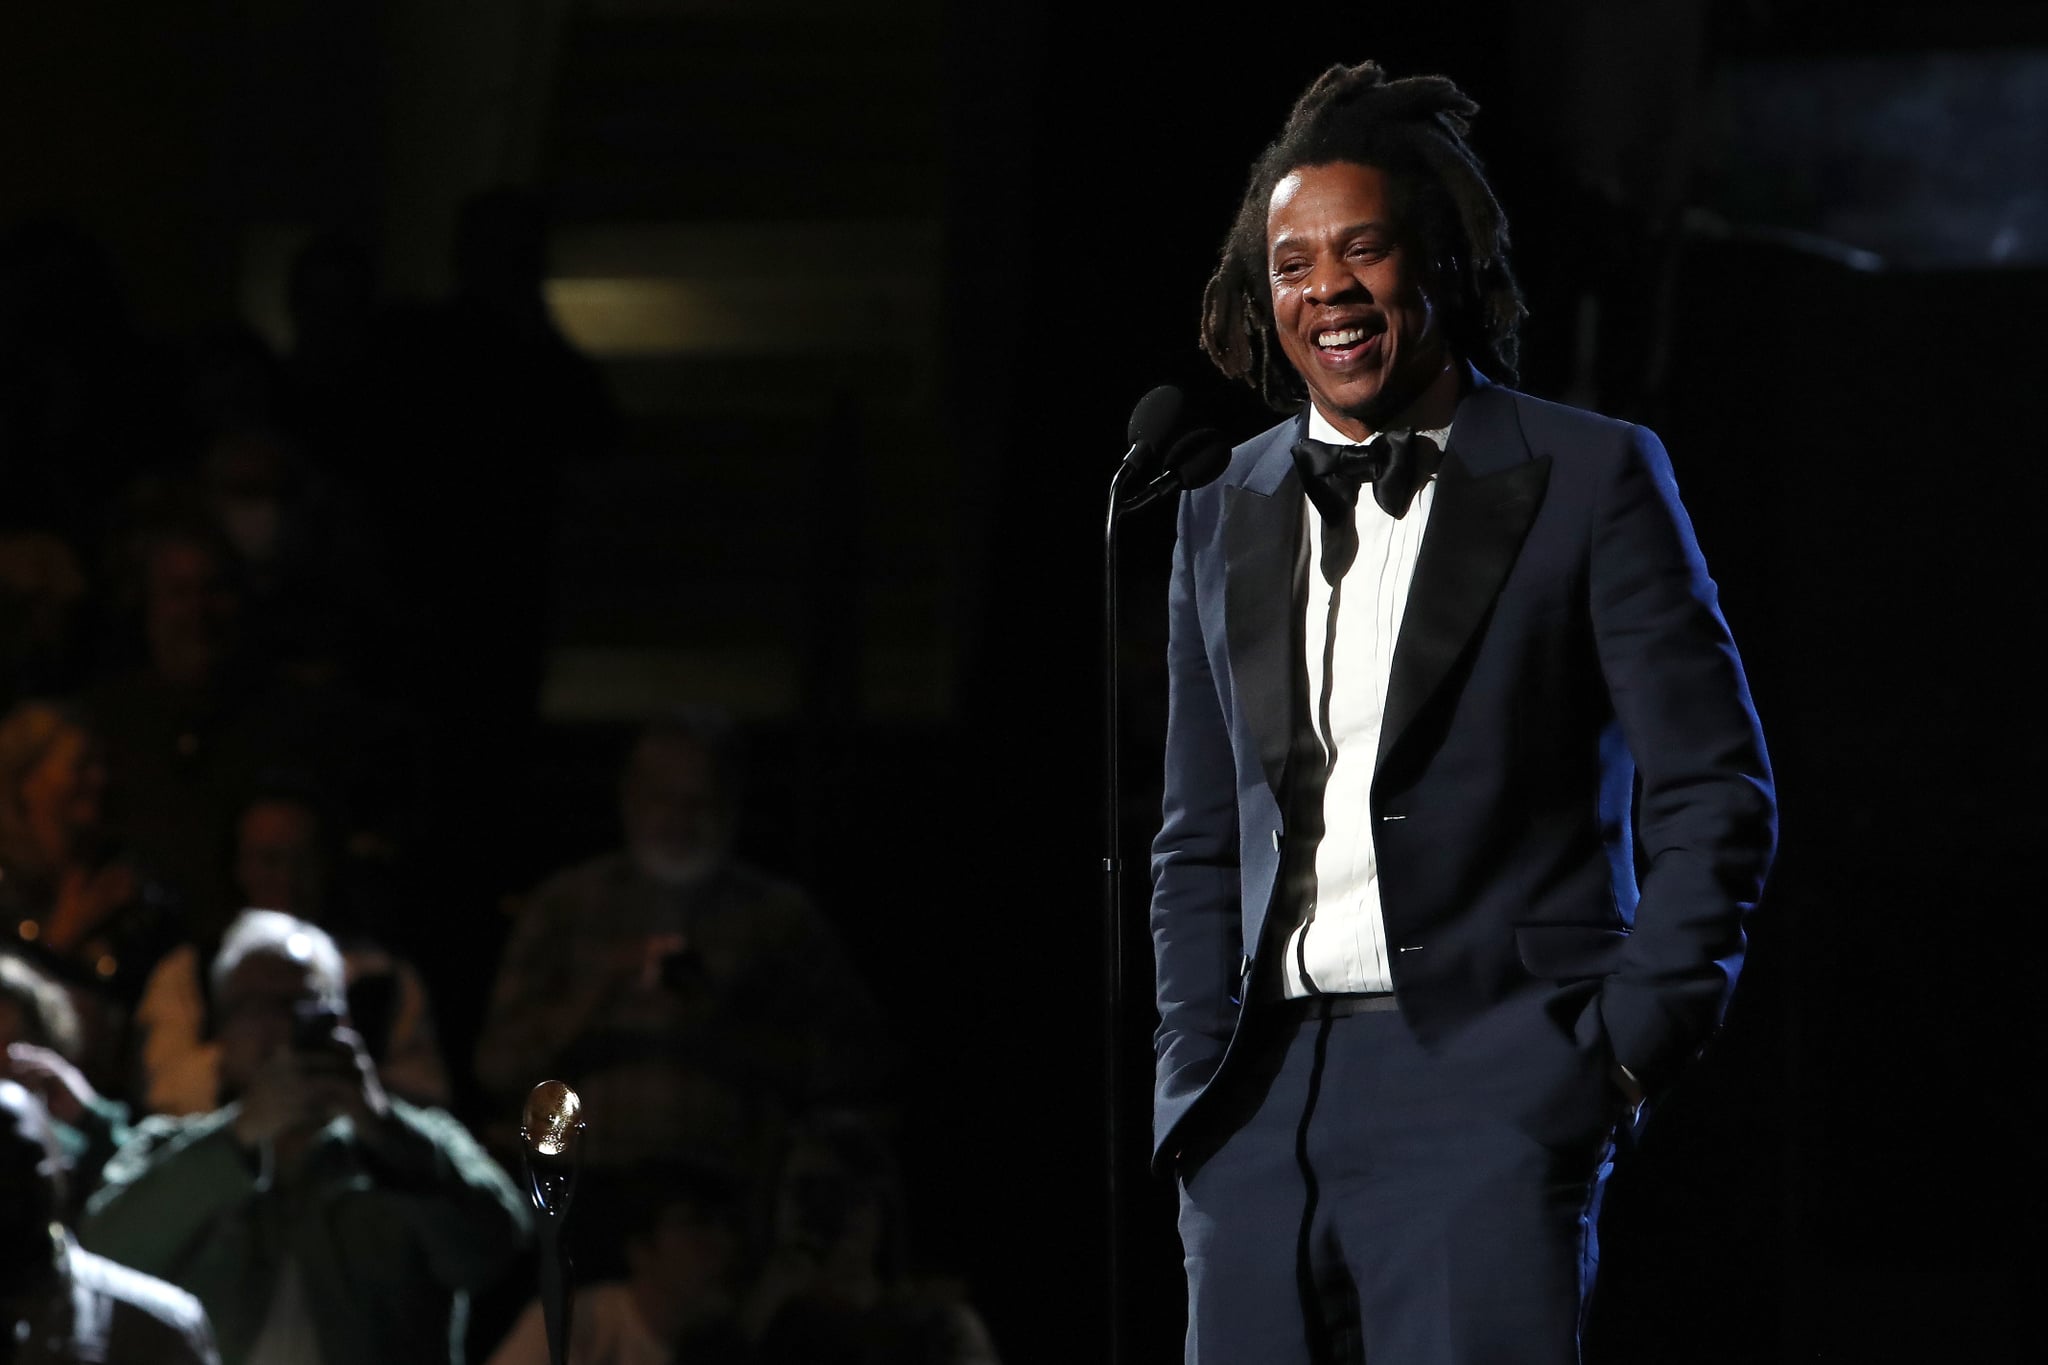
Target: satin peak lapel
[
  {"x": 1476, "y": 529},
  {"x": 1261, "y": 545}
]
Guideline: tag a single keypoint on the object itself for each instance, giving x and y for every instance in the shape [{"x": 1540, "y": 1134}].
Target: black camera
[{"x": 313, "y": 1025}]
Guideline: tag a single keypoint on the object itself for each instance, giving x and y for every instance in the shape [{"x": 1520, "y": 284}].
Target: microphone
[
  {"x": 1193, "y": 460},
  {"x": 1154, "y": 419},
  {"x": 1164, "y": 464},
  {"x": 552, "y": 1129}
]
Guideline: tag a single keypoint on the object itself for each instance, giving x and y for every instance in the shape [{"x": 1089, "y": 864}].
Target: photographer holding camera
[{"x": 316, "y": 1217}]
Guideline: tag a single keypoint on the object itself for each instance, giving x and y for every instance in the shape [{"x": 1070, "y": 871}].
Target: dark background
[{"x": 1807, "y": 243}]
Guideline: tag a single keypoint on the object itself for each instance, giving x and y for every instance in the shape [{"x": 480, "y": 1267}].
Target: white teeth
[{"x": 1339, "y": 339}]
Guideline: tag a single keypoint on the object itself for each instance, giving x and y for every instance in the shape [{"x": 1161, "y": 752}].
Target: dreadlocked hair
[{"x": 1413, "y": 130}]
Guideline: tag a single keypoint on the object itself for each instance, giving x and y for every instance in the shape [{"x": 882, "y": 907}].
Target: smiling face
[
  {"x": 1349, "y": 305},
  {"x": 63, "y": 794}
]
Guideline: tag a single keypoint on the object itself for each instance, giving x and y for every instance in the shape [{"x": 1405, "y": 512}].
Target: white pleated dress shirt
[{"x": 1339, "y": 946}]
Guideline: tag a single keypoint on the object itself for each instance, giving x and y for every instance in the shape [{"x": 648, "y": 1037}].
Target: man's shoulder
[
  {"x": 1248, "y": 454},
  {"x": 1551, "y": 427},
  {"x": 158, "y": 1131},
  {"x": 436, "y": 1125},
  {"x": 1545, "y": 424},
  {"x": 764, "y": 907},
  {"x": 1249, "y": 467},
  {"x": 200, "y": 1147}
]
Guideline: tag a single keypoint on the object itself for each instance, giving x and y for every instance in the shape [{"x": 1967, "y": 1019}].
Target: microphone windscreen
[
  {"x": 1198, "y": 457},
  {"x": 1155, "y": 417}
]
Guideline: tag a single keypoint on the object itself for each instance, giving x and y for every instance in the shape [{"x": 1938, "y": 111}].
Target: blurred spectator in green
[{"x": 316, "y": 1216}]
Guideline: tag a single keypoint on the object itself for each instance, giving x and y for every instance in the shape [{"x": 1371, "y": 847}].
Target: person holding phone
[{"x": 316, "y": 1216}]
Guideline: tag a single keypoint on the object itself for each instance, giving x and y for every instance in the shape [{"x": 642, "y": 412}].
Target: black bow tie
[{"x": 1396, "y": 465}]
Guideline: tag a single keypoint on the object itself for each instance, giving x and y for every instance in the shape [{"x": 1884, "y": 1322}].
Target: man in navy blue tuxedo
[{"x": 1466, "y": 799}]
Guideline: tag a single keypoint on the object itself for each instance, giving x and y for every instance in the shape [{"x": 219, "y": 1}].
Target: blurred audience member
[
  {"x": 60, "y": 1304},
  {"x": 488, "y": 404},
  {"x": 231, "y": 381},
  {"x": 83, "y": 403},
  {"x": 72, "y": 903},
  {"x": 488, "y": 401},
  {"x": 834, "y": 1288},
  {"x": 688, "y": 997},
  {"x": 675, "y": 1306},
  {"x": 39, "y": 1042},
  {"x": 507, "y": 339},
  {"x": 191, "y": 730},
  {"x": 185, "y": 728},
  {"x": 42, "y": 591},
  {"x": 315, "y": 1216},
  {"x": 308, "y": 575},
  {"x": 284, "y": 860}
]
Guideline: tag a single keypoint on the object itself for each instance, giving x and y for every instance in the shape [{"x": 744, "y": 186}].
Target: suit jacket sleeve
[
  {"x": 1708, "y": 819},
  {"x": 1197, "y": 933}
]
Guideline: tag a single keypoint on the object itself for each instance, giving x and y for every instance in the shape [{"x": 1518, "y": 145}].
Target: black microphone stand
[
  {"x": 1114, "y": 1078},
  {"x": 1192, "y": 461}
]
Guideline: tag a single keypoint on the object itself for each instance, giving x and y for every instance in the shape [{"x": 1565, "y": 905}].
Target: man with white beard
[{"x": 684, "y": 994}]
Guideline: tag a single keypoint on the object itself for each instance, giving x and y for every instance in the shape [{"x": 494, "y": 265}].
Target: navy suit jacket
[{"x": 1561, "y": 646}]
